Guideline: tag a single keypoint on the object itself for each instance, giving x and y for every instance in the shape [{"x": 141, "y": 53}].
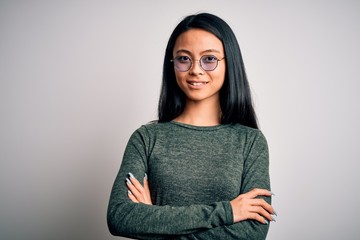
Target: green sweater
[{"x": 194, "y": 172}]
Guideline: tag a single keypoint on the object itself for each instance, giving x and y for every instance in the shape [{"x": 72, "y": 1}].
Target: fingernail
[
  {"x": 129, "y": 192},
  {"x": 266, "y": 222},
  {"x": 275, "y": 213},
  {"x": 146, "y": 177},
  {"x": 273, "y": 219},
  {"x": 128, "y": 181},
  {"x": 272, "y": 193},
  {"x": 131, "y": 175}
]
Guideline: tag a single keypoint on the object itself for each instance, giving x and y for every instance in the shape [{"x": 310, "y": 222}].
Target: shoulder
[
  {"x": 250, "y": 135},
  {"x": 253, "y": 140},
  {"x": 150, "y": 133},
  {"x": 241, "y": 129},
  {"x": 153, "y": 128}
]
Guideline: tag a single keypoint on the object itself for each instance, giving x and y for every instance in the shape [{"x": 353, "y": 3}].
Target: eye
[
  {"x": 183, "y": 59},
  {"x": 209, "y": 59}
]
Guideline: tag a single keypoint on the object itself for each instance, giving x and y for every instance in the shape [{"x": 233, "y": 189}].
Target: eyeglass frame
[{"x": 199, "y": 60}]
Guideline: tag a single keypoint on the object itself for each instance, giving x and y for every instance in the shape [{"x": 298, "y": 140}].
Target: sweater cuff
[{"x": 229, "y": 217}]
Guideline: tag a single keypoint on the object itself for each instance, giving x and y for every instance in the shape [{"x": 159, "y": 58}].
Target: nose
[{"x": 196, "y": 68}]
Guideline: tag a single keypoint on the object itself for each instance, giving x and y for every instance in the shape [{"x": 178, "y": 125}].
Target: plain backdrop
[{"x": 78, "y": 77}]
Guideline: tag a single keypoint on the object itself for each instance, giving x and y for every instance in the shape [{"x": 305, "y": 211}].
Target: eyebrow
[{"x": 205, "y": 51}]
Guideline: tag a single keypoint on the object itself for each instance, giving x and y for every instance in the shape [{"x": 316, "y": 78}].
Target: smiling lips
[{"x": 197, "y": 83}]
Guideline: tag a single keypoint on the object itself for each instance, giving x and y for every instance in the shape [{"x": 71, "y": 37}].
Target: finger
[
  {"x": 136, "y": 183},
  {"x": 261, "y": 211},
  {"x": 133, "y": 189},
  {"x": 132, "y": 197},
  {"x": 146, "y": 183},
  {"x": 258, "y": 218},
  {"x": 262, "y": 203},
  {"x": 257, "y": 192},
  {"x": 147, "y": 189},
  {"x": 139, "y": 192}
]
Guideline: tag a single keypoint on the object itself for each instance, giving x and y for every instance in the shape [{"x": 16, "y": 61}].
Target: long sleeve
[
  {"x": 255, "y": 175},
  {"x": 129, "y": 219},
  {"x": 194, "y": 173}
]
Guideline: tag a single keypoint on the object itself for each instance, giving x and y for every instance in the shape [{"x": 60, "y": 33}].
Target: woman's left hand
[{"x": 138, "y": 193}]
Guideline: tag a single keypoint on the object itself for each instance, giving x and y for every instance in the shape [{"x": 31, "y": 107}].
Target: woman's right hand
[{"x": 247, "y": 206}]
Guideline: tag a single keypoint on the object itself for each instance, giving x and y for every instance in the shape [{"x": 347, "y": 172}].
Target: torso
[{"x": 193, "y": 165}]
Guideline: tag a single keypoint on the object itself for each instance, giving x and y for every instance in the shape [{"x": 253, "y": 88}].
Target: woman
[{"x": 205, "y": 162}]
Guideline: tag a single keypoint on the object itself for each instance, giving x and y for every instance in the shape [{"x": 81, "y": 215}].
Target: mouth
[{"x": 196, "y": 84}]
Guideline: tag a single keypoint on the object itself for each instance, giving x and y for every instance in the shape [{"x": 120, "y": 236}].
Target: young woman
[{"x": 202, "y": 170}]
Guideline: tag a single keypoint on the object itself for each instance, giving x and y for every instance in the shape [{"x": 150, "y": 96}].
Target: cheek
[
  {"x": 179, "y": 78},
  {"x": 219, "y": 77},
  {"x": 223, "y": 71},
  {"x": 222, "y": 75}
]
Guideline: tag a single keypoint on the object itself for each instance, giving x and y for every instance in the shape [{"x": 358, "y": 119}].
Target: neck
[{"x": 201, "y": 113}]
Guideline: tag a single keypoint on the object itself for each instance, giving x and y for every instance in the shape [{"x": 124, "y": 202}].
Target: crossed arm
[
  {"x": 244, "y": 217},
  {"x": 246, "y": 206}
]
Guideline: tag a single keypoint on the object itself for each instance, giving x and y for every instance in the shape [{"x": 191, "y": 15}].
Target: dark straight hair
[{"x": 235, "y": 97}]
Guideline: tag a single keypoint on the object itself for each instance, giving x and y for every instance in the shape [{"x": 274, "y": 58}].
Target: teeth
[{"x": 197, "y": 83}]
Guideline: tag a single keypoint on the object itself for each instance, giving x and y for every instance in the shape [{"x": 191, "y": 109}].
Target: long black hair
[{"x": 235, "y": 97}]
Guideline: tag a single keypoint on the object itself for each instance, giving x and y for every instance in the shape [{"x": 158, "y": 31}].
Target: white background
[{"x": 78, "y": 77}]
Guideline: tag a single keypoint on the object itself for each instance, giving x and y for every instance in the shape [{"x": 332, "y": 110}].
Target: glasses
[{"x": 207, "y": 62}]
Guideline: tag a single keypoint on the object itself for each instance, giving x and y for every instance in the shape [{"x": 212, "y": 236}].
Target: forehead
[{"x": 197, "y": 40}]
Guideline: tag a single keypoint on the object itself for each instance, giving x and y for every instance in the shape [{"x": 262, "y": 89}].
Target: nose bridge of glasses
[{"x": 196, "y": 63}]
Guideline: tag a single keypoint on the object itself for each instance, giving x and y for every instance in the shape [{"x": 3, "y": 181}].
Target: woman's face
[{"x": 197, "y": 83}]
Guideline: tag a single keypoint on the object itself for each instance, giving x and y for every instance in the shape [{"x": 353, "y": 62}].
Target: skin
[
  {"x": 138, "y": 193},
  {"x": 203, "y": 109}
]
